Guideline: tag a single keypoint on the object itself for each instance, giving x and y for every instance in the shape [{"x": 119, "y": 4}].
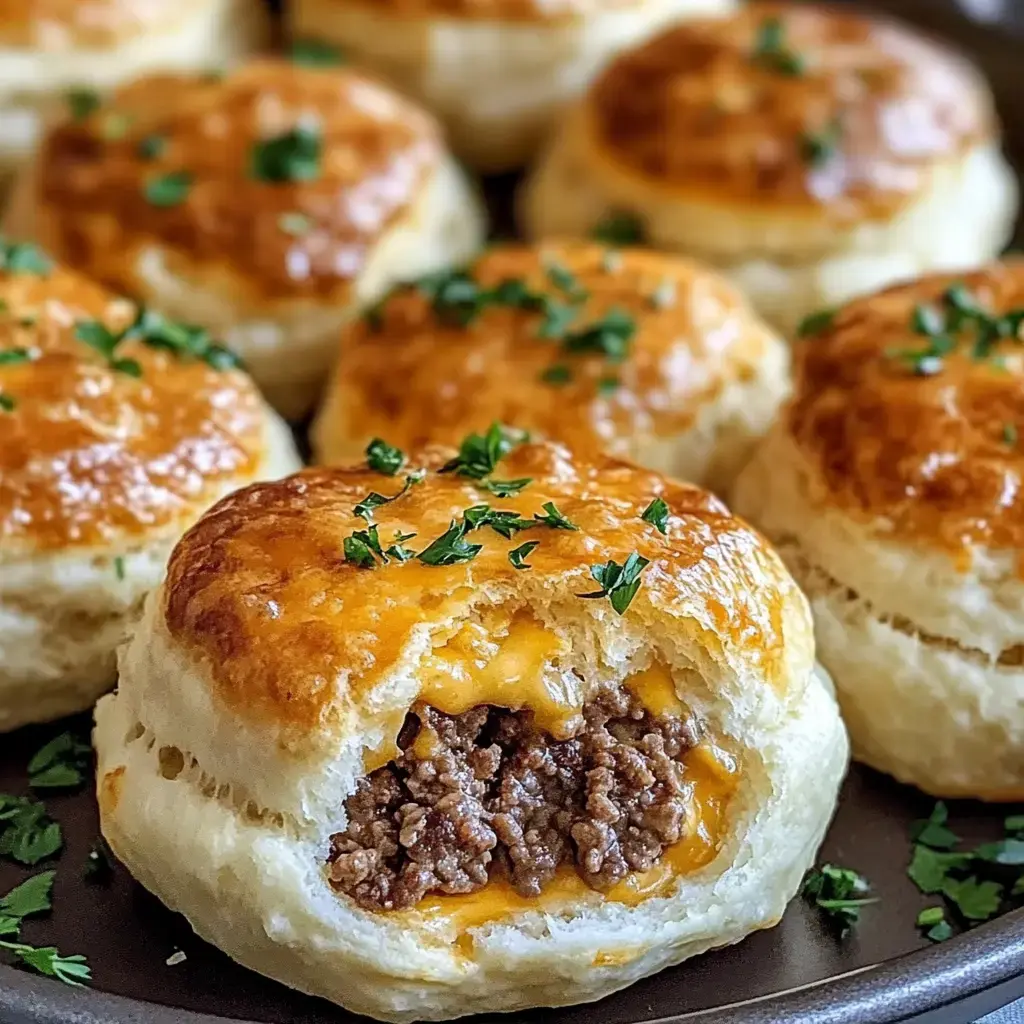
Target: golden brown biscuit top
[
  {"x": 590, "y": 346},
  {"x": 279, "y": 177},
  {"x": 56, "y": 25},
  {"x": 483, "y": 10},
  {"x": 95, "y": 444},
  {"x": 910, "y": 405},
  {"x": 295, "y": 622},
  {"x": 782, "y": 104}
]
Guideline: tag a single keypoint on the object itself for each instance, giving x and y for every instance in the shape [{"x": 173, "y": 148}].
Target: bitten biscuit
[
  {"x": 812, "y": 153},
  {"x": 424, "y": 752},
  {"x": 270, "y": 206},
  {"x": 892, "y": 487},
  {"x": 117, "y": 429},
  {"x": 634, "y": 353}
]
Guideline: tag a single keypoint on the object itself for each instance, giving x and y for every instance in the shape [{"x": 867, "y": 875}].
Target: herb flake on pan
[
  {"x": 619, "y": 583},
  {"x": 27, "y": 834},
  {"x": 63, "y": 763},
  {"x": 451, "y": 547},
  {"x": 293, "y": 155},
  {"x": 517, "y": 556},
  {"x": 657, "y": 515},
  {"x": 384, "y": 458},
  {"x": 619, "y": 228},
  {"x": 840, "y": 893},
  {"x": 15, "y": 356},
  {"x": 313, "y": 53},
  {"x": 932, "y": 922},
  {"x": 72, "y": 970},
  {"x": 771, "y": 50},
  {"x": 166, "y": 190}
]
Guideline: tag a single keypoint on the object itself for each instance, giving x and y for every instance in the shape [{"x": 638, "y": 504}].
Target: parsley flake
[
  {"x": 619, "y": 583},
  {"x": 517, "y": 556},
  {"x": 397, "y": 551},
  {"x": 553, "y": 518},
  {"x": 557, "y": 374},
  {"x": 974, "y": 899},
  {"x": 566, "y": 281},
  {"x": 506, "y": 524},
  {"x": 28, "y": 834},
  {"x": 932, "y": 921},
  {"x": 72, "y": 970},
  {"x": 7, "y": 402},
  {"x": 168, "y": 190},
  {"x": 839, "y": 893},
  {"x": 506, "y": 488},
  {"x": 82, "y": 103},
  {"x": 772, "y": 52},
  {"x": 384, "y": 458},
  {"x": 1010, "y": 435},
  {"x": 294, "y": 224},
  {"x": 361, "y": 547},
  {"x": 612, "y": 336},
  {"x": 619, "y": 228},
  {"x": 60, "y": 764},
  {"x": 933, "y": 831},
  {"x": 33, "y": 896},
  {"x": 24, "y": 258},
  {"x": 816, "y": 323},
  {"x": 451, "y": 547},
  {"x": 819, "y": 147},
  {"x": 291, "y": 156},
  {"x": 657, "y": 515},
  {"x": 312, "y": 53},
  {"x": 479, "y": 454},
  {"x": 607, "y": 386},
  {"x": 151, "y": 147}
]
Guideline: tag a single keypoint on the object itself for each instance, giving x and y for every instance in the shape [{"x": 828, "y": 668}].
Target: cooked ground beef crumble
[{"x": 499, "y": 795}]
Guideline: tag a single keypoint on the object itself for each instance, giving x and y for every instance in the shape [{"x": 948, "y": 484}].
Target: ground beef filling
[{"x": 498, "y": 795}]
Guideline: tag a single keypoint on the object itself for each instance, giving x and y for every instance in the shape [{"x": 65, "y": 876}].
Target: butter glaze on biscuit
[
  {"x": 266, "y": 246},
  {"x": 812, "y": 152},
  {"x": 101, "y": 469},
  {"x": 700, "y": 380},
  {"x": 892, "y": 487},
  {"x": 276, "y": 669}
]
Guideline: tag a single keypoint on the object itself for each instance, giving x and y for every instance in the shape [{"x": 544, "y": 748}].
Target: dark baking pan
[{"x": 800, "y": 972}]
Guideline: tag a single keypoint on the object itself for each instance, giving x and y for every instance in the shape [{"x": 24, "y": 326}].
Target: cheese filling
[{"x": 509, "y": 786}]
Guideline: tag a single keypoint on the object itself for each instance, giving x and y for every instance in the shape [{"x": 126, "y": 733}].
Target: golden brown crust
[
  {"x": 855, "y": 134},
  {"x": 472, "y": 10},
  {"x": 935, "y": 458},
  {"x": 56, "y": 25},
  {"x": 292, "y": 632},
  {"x": 413, "y": 376},
  {"x": 89, "y": 453},
  {"x": 287, "y": 239}
]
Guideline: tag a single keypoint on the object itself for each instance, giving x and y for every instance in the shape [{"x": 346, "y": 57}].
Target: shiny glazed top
[
  {"x": 816, "y": 108},
  {"x": 57, "y": 25},
  {"x": 478, "y": 10},
  {"x": 418, "y": 378},
  {"x": 354, "y": 152},
  {"x": 931, "y": 455},
  {"x": 92, "y": 455},
  {"x": 294, "y": 635}
]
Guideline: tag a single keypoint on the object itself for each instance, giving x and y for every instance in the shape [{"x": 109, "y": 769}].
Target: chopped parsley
[
  {"x": 612, "y": 336},
  {"x": 479, "y": 454},
  {"x": 1010, "y": 435},
  {"x": 619, "y": 583},
  {"x": 553, "y": 518},
  {"x": 451, "y": 547},
  {"x": 361, "y": 547},
  {"x": 28, "y": 834},
  {"x": 657, "y": 515},
  {"x": 82, "y": 103},
  {"x": 815, "y": 323},
  {"x": 151, "y": 147},
  {"x": 119, "y": 571},
  {"x": 506, "y": 488},
  {"x": 557, "y": 374},
  {"x": 115, "y": 125},
  {"x": 607, "y": 386},
  {"x": 31, "y": 897},
  {"x": 958, "y": 314},
  {"x": 294, "y": 224},
  {"x": 932, "y": 921},
  {"x": 398, "y": 551},
  {"x": 60, "y": 764},
  {"x": 772, "y": 52},
  {"x": 818, "y": 148},
  {"x": 384, "y": 458},
  {"x": 517, "y": 556},
  {"x": 72, "y": 970},
  {"x": 7, "y": 402},
  {"x": 506, "y": 524},
  {"x": 564, "y": 280},
  {"x": 24, "y": 258},
  {"x": 312, "y": 53},
  {"x": 291, "y": 156},
  {"x": 976, "y": 884},
  {"x": 364, "y": 509},
  {"x": 839, "y": 893},
  {"x": 619, "y": 228},
  {"x": 167, "y": 190},
  {"x": 664, "y": 296}
]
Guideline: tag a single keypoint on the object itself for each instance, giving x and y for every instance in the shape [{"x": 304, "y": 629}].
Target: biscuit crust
[{"x": 705, "y": 109}]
